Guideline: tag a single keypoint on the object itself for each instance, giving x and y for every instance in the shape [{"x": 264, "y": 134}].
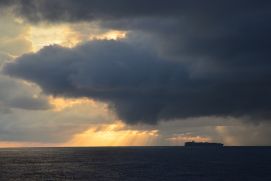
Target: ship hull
[{"x": 203, "y": 145}]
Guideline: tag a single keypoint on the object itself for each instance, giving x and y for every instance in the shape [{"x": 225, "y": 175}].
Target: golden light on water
[{"x": 114, "y": 135}]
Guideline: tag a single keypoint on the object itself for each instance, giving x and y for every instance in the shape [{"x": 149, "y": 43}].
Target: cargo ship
[{"x": 203, "y": 144}]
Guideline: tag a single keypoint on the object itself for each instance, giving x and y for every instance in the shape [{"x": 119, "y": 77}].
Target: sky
[{"x": 134, "y": 73}]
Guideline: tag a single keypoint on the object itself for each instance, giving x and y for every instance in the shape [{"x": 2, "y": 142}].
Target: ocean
[{"x": 136, "y": 163}]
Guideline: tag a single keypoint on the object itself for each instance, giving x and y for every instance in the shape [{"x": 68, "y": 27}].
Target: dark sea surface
[{"x": 136, "y": 163}]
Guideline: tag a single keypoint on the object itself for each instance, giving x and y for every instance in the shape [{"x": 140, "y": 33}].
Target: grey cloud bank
[
  {"x": 14, "y": 94},
  {"x": 206, "y": 58},
  {"x": 139, "y": 85}
]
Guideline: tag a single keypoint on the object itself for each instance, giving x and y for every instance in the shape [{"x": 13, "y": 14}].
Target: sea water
[{"x": 136, "y": 163}]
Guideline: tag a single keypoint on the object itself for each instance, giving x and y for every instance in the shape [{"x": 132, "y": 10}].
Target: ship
[{"x": 203, "y": 144}]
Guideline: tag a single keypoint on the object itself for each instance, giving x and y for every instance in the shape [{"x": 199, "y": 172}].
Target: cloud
[
  {"x": 141, "y": 86},
  {"x": 215, "y": 36},
  {"x": 15, "y": 94},
  {"x": 47, "y": 126},
  {"x": 181, "y": 59},
  {"x": 199, "y": 58},
  {"x": 14, "y": 41},
  {"x": 4, "y": 58},
  {"x": 245, "y": 134},
  {"x": 61, "y": 10}
]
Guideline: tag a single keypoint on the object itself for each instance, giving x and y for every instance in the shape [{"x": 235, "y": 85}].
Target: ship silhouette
[{"x": 203, "y": 144}]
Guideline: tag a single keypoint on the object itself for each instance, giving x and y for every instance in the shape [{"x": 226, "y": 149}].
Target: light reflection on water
[{"x": 136, "y": 163}]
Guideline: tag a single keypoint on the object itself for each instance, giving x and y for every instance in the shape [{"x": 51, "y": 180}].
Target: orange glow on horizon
[
  {"x": 114, "y": 135},
  {"x": 18, "y": 144}
]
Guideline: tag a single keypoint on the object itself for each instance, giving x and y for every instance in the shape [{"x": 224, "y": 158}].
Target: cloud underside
[
  {"x": 181, "y": 59},
  {"x": 141, "y": 87}
]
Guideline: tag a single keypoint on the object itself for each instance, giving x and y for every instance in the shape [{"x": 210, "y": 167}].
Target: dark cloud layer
[
  {"x": 214, "y": 57},
  {"x": 219, "y": 35},
  {"x": 141, "y": 86},
  {"x": 82, "y": 10},
  {"x": 86, "y": 10}
]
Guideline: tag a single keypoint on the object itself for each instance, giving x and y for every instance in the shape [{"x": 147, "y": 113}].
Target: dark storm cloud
[
  {"x": 140, "y": 86},
  {"x": 214, "y": 57},
  {"x": 228, "y": 34},
  {"x": 85, "y": 10},
  {"x": 4, "y": 3}
]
